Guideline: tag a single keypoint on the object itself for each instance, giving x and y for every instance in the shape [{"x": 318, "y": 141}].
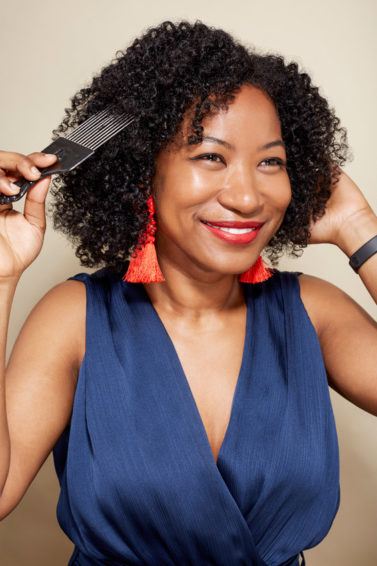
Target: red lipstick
[
  {"x": 234, "y": 232},
  {"x": 234, "y": 224}
]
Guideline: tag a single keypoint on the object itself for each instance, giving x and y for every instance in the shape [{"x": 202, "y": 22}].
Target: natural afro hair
[{"x": 173, "y": 68}]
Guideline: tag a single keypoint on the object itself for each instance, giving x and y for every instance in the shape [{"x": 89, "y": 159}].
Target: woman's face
[{"x": 236, "y": 175}]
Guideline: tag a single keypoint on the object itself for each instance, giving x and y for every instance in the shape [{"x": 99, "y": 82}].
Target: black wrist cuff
[{"x": 362, "y": 254}]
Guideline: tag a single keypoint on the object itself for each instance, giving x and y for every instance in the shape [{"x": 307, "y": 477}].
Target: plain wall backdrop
[{"x": 49, "y": 50}]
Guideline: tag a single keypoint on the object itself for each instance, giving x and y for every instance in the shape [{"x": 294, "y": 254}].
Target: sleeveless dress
[{"x": 138, "y": 481}]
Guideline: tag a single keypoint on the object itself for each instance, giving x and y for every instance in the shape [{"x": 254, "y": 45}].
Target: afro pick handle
[{"x": 69, "y": 153}]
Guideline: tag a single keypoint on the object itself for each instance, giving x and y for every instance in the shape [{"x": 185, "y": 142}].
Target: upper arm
[
  {"x": 41, "y": 378},
  {"x": 348, "y": 339}
]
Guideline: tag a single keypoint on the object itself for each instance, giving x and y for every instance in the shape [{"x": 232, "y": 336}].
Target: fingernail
[
  {"x": 14, "y": 188},
  {"x": 35, "y": 171},
  {"x": 48, "y": 154}
]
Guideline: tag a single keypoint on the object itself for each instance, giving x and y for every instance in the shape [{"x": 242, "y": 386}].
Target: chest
[{"x": 211, "y": 360}]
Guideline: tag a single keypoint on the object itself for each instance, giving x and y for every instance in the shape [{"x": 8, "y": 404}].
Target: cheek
[
  {"x": 284, "y": 195},
  {"x": 279, "y": 196},
  {"x": 175, "y": 203},
  {"x": 181, "y": 192}
]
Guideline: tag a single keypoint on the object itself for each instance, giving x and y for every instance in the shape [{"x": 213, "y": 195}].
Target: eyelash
[
  {"x": 209, "y": 156},
  {"x": 277, "y": 160}
]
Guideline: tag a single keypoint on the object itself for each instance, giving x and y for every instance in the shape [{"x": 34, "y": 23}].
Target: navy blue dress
[{"x": 139, "y": 483}]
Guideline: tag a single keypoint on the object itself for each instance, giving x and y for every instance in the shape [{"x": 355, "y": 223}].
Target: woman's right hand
[{"x": 22, "y": 234}]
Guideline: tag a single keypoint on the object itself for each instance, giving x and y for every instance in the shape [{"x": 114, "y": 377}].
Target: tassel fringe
[
  {"x": 144, "y": 268},
  {"x": 256, "y": 273}
]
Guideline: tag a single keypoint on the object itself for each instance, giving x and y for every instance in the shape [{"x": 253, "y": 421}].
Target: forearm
[
  {"x": 7, "y": 290},
  {"x": 357, "y": 234}
]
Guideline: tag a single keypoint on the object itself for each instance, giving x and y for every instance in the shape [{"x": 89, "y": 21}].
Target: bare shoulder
[
  {"x": 325, "y": 303},
  {"x": 69, "y": 297},
  {"x": 317, "y": 296},
  {"x": 348, "y": 339},
  {"x": 62, "y": 310}
]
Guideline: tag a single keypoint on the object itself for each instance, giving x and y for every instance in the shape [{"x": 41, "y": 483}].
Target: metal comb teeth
[
  {"x": 77, "y": 146},
  {"x": 99, "y": 128}
]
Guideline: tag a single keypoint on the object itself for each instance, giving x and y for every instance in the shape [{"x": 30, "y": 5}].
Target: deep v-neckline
[{"x": 237, "y": 393}]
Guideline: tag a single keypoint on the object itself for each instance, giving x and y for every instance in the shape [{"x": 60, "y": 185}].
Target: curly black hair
[{"x": 173, "y": 68}]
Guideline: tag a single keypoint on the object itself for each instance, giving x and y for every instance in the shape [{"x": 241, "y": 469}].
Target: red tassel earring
[
  {"x": 143, "y": 266},
  {"x": 257, "y": 273}
]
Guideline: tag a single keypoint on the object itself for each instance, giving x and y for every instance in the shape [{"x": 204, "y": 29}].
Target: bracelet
[{"x": 362, "y": 254}]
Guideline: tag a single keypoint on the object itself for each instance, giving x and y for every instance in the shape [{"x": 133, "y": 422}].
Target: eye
[
  {"x": 274, "y": 162},
  {"x": 214, "y": 157}
]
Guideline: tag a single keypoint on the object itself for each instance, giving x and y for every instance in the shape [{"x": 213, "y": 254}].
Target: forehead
[{"x": 252, "y": 115}]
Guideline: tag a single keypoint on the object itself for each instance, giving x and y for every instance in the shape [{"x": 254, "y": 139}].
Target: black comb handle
[{"x": 70, "y": 154}]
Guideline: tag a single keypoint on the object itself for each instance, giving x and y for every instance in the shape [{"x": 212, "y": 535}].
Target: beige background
[{"x": 49, "y": 49}]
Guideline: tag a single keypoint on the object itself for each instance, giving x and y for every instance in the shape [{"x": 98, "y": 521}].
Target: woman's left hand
[{"x": 346, "y": 206}]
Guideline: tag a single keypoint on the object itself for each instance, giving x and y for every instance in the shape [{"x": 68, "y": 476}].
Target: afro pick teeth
[{"x": 76, "y": 147}]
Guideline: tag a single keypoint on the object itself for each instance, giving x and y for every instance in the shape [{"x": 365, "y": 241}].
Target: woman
[{"x": 184, "y": 393}]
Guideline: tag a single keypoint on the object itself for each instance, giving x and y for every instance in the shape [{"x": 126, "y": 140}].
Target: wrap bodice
[{"x": 138, "y": 481}]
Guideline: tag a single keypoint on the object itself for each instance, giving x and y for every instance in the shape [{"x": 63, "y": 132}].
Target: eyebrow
[{"x": 230, "y": 146}]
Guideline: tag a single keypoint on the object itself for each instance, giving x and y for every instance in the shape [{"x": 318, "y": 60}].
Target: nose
[{"x": 241, "y": 192}]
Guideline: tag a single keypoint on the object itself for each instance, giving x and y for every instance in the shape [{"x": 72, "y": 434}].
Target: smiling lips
[{"x": 234, "y": 232}]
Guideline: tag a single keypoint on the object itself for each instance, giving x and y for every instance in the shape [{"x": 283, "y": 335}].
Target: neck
[{"x": 195, "y": 296}]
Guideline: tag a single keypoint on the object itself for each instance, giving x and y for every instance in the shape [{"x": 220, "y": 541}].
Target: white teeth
[
  {"x": 233, "y": 230},
  {"x": 236, "y": 230}
]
